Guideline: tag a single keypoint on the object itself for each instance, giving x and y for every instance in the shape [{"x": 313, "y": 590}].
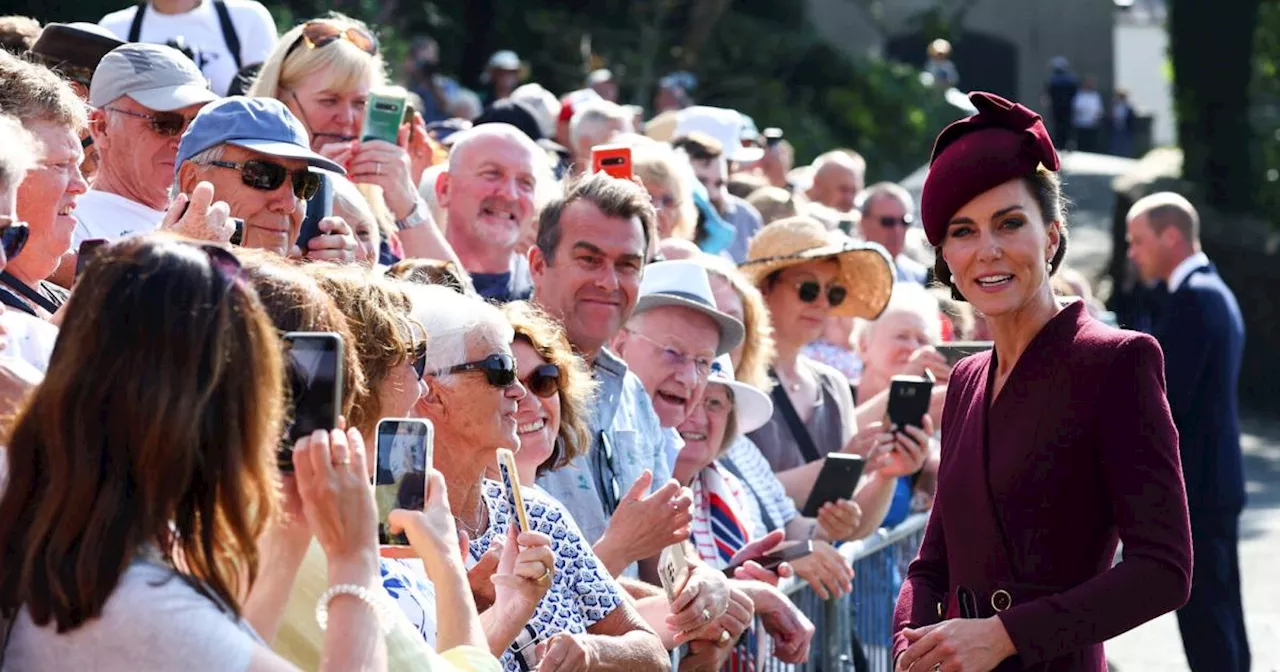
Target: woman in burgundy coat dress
[{"x": 1055, "y": 445}]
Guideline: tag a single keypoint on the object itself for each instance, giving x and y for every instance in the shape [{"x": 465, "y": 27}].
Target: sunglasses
[
  {"x": 890, "y": 222},
  {"x": 167, "y": 124},
  {"x": 321, "y": 33},
  {"x": 13, "y": 236},
  {"x": 544, "y": 381},
  {"x": 499, "y": 370},
  {"x": 268, "y": 176},
  {"x": 810, "y": 290}
]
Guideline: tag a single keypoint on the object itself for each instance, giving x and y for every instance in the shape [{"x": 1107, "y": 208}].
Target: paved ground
[{"x": 1157, "y": 645}]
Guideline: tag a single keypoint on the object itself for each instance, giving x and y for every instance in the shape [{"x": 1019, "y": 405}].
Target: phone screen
[
  {"x": 404, "y": 455},
  {"x": 88, "y": 249},
  {"x": 314, "y": 370}
]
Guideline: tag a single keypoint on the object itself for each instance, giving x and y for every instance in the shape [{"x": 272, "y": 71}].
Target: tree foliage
[{"x": 1266, "y": 106}]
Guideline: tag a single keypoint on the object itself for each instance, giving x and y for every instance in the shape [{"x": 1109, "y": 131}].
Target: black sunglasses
[
  {"x": 268, "y": 176},
  {"x": 168, "y": 124},
  {"x": 420, "y": 363},
  {"x": 544, "y": 381},
  {"x": 13, "y": 237},
  {"x": 499, "y": 370},
  {"x": 890, "y": 222},
  {"x": 810, "y": 290}
]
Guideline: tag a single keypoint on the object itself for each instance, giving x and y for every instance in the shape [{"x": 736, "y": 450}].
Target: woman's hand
[
  {"x": 705, "y": 598},
  {"x": 525, "y": 571},
  {"x": 337, "y": 500},
  {"x": 927, "y": 359},
  {"x": 199, "y": 217},
  {"x": 957, "y": 645},
  {"x": 388, "y": 166},
  {"x": 416, "y": 141},
  {"x": 791, "y": 631},
  {"x": 906, "y": 454},
  {"x": 839, "y": 519},
  {"x": 729, "y": 626},
  {"x": 645, "y": 523},
  {"x": 566, "y": 653},
  {"x": 431, "y": 531},
  {"x": 868, "y": 440},
  {"x": 754, "y": 571},
  {"x": 826, "y": 571}
]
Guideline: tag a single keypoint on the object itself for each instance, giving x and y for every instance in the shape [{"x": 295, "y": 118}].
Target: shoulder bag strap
[
  {"x": 798, "y": 431},
  {"x": 20, "y": 287},
  {"x": 769, "y": 523},
  {"x": 135, "y": 28},
  {"x": 228, "y": 31}
]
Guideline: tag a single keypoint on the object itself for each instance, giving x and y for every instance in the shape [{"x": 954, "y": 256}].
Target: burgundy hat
[{"x": 1002, "y": 142}]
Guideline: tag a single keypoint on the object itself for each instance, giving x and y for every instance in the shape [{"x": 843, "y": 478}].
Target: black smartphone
[
  {"x": 958, "y": 350},
  {"x": 319, "y": 207},
  {"x": 405, "y": 451},
  {"x": 837, "y": 480},
  {"x": 786, "y": 552},
  {"x": 909, "y": 398},
  {"x": 313, "y": 367},
  {"x": 238, "y": 234},
  {"x": 88, "y": 249}
]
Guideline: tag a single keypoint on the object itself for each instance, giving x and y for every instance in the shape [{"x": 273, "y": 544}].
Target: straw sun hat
[{"x": 865, "y": 268}]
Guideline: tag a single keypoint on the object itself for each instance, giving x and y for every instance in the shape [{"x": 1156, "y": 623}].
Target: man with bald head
[
  {"x": 838, "y": 176},
  {"x": 1202, "y": 334},
  {"x": 488, "y": 195}
]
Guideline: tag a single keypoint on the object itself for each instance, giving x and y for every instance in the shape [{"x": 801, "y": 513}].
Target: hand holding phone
[
  {"x": 318, "y": 208},
  {"x": 404, "y": 455},
  {"x": 313, "y": 365},
  {"x": 673, "y": 570},
  {"x": 836, "y": 481},
  {"x": 909, "y": 398},
  {"x": 383, "y": 115}
]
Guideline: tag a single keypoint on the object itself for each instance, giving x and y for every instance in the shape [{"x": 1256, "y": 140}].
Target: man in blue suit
[{"x": 1202, "y": 335}]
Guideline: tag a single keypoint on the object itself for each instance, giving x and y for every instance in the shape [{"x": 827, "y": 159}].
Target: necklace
[{"x": 479, "y": 527}]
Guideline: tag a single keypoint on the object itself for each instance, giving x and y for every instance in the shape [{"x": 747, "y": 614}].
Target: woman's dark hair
[
  {"x": 156, "y": 425},
  {"x": 1046, "y": 188}
]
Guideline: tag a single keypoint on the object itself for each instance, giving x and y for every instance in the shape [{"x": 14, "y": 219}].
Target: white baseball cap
[
  {"x": 156, "y": 76},
  {"x": 725, "y": 125}
]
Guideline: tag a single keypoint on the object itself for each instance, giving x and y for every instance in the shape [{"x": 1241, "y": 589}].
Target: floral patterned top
[
  {"x": 582, "y": 591},
  {"x": 413, "y": 593}
]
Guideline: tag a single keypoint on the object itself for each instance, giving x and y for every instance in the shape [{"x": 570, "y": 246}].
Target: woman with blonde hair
[
  {"x": 324, "y": 71},
  {"x": 668, "y": 178}
]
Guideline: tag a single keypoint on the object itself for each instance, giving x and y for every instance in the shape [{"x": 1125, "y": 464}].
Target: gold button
[{"x": 1001, "y": 600}]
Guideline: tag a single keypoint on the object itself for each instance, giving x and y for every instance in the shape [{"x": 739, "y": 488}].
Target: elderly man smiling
[{"x": 255, "y": 157}]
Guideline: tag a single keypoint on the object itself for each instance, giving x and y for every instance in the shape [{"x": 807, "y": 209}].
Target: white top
[
  {"x": 1086, "y": 109},
  {"x": 201, "y": 31},
  {"x": 154, "y": 620},
  {"x": 28, "y": 343},
  {"x": 1182, "y": 270},
  {"x": 108, "y": 216}
]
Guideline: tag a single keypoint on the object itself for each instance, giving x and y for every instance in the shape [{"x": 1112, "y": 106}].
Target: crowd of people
[{"x": 671, "y": 356}]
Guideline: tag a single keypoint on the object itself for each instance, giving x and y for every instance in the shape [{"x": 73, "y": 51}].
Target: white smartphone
[
  {"x": 404, "y": 456},
  {"x": 673, "y": 570}
]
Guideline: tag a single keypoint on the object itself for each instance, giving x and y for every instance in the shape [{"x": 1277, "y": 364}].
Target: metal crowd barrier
[{"x": 879, "y": 564}]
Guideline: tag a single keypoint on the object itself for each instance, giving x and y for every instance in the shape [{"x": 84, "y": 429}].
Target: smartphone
[
  {"x": 909, "y": 398},
  {"x": 673, "y": 570},
  {"x": 313, "y": 365},
  {"x": 958, "y": 350},
  {"x": 613, "y": 160},
  {"x": 511, "y": 485},
  {"x": 88, "y": 249},
  {"x": 383, "y": 115},
  {"x": 404, "y": 454},
  {"x": 837, "y": 480},
  {"x": 786, "y": 552},
  {"x": 238, "y": 234},
  {"x": 319, "y": 207}
]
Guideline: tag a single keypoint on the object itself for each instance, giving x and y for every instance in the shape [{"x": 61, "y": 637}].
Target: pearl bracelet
[{"x": 381, "y": 609}]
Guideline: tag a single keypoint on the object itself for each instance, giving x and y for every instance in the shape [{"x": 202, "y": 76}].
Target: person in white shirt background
[
  {"x": 143, "y": 96},
  {"x": 1087, "y": 112},
  {"x": 209, "y": 29}
]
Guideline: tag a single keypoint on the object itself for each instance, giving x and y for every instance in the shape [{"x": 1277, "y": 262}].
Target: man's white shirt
[
  {"x": 107, "y": 216},
  {"x": 201, "y": 30}
]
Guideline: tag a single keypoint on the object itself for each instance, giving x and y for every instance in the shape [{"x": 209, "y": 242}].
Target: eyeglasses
[
  {"x": 167, "y": 124},
  {"x": 320, "y": 33},
  {"x": 544, "y": 381},
  {"x": 891, "y": 222},
  {"x": 499, "y": 370},
  {"x": 675, "y": 358},
  {"x": 13, "y": 236},
  {"x": 268, "y": 176},
  {"x": 810, "y": 290}
]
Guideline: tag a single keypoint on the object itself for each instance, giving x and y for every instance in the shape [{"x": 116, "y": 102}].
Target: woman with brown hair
[
  {"x": 1057, "y": 444},
  {"x": 172, "y": 358}
]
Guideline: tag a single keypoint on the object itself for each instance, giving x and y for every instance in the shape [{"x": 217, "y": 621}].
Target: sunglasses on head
[
  {"x": 321, "y": 32},
  {"x": 544, "y": 381},
  {"x": 890, "y": 222},
  {"x": 499, "y": 370},
  {"x": 268, "y": 176},
  {"x": 168, "y": 124},
  {"x": 810, "y": 290},
  {"x": 13, "y": 236}
]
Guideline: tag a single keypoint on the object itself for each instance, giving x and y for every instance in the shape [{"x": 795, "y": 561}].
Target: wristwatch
[{"x": 420, "y": 214}]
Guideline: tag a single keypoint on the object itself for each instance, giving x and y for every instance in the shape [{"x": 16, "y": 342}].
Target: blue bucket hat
[{"x": 263, "y": 125}]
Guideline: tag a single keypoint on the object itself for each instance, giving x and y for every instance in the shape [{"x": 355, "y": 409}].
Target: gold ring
[
  {"x": 345, "y": 460},
  {"x": 544, "y": 580}
]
